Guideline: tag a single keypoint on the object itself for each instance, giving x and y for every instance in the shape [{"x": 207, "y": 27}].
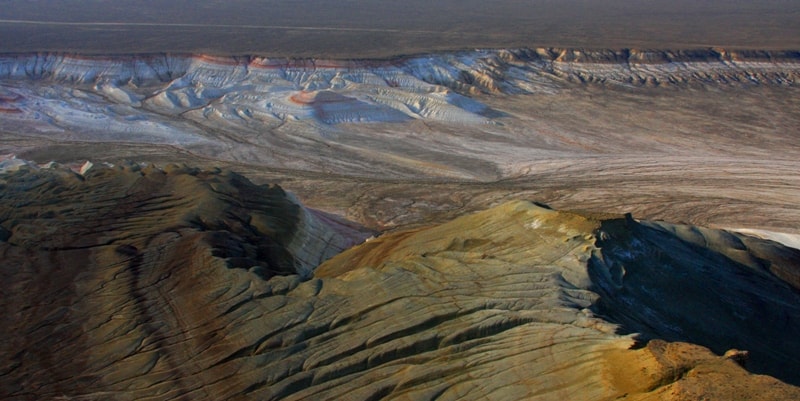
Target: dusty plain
[{"x": 384, "y": 28}]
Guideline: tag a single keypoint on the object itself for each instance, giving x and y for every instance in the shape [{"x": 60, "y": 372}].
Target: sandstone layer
[{"x": 178, "y": 283}]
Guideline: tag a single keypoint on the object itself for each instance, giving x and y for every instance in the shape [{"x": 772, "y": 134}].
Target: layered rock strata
[
  {"x": 479, "y": 115},
  {"x": 129, "y": 283},
  {"x": 509, "y": 70}
]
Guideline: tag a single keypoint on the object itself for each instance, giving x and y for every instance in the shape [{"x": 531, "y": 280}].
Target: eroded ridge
[
  {"x": 116, "y": 278},
  {"x": 132, "y": 298}
]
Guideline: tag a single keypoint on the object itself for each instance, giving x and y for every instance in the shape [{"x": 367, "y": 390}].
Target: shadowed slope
[
  {"x": 711, "y": 287},
  {"x": 117, "y": 288},
  {"x": 648, "y": 277},
  {"x": 122, "y": 281}
]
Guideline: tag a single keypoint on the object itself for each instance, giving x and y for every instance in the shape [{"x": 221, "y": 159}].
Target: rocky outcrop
[{"x": 129, "y": 283}]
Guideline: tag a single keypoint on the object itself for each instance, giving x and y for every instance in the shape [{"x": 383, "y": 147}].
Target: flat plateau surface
[{"x": 383, "y": 28}]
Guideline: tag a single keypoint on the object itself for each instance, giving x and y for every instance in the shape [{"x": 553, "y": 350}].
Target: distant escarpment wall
[{"x": 504, "y": 70}]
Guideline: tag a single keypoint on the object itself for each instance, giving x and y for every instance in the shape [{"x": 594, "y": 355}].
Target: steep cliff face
[
  {"x": 716, "y": 288},
  {"x": 508, "y": 70},
  {"x": 176, "y": 283}
]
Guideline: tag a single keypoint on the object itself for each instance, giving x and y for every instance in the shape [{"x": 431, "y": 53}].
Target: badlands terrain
[
  {"x": 138, "y": 265},
  {"x": 573, "y": 200},
  {"x": 703, "y": 136},
  {"x": 134, "y": 283}
]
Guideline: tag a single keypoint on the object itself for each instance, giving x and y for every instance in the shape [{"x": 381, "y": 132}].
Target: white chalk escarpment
[
  {"x": 467, "y": 115},
  {"x": 128, "y": 281},
  {"x": 666, "y": 134},
  {"x": 178, "y": 283}
]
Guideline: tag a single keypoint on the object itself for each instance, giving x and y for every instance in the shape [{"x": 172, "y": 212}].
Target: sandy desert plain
[{"x": 345, "y": 200}]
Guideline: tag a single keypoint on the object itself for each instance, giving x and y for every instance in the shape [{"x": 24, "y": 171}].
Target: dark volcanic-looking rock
[{"x": 156, "y": 284}]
